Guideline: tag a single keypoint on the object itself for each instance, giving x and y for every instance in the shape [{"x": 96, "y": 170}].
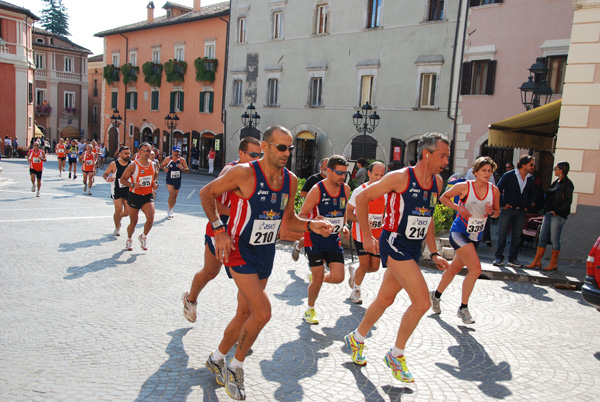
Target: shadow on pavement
[
  {"x": 291, "y": 291},
  {"x": 597, "y": 355},
  {"x": 173, "y": 381},
  {"x": 537, "y": 292},
  {"x": 96, "y": 266},
  {"x": 474, "y": 363},
  {"x": 65, "y": 247}
]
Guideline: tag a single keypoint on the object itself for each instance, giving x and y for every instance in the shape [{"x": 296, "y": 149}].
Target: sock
[
  {"x": 397, "y": 352},
  {"x": 235, "y": 364},
  {"x": 437, "y": 294},
  {"x": 463, "y": 306},
  {"x": 358, "y": 337},
  {"x": 217, "y": 355},
  {"x": 356, "y": 287},
  {"x": 309, "y": 307}
]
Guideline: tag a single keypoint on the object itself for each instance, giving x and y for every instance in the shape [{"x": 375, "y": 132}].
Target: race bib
[
  {"x": 89, "y": 162},
  {"x": 338, "y": 224},
  {"x": 264, "y": 231},
  {"x": 475, "y": 226},
  {"x": 146, "y": 181},
  {"x": 73, "y": 155},
  {"x": 36, "y": 160},
  {"x": 416, "y": 227},
  {"x": 175, "y": 174},
  {"x": 375, "y": 221}
]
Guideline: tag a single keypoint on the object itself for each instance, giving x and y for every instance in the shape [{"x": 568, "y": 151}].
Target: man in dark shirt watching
[
  {"x": 308, "y": 184},
  {"x": 516, "y": 196}
]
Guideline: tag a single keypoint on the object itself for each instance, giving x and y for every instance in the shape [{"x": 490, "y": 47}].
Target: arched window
[{"x": 364, "y": 147}]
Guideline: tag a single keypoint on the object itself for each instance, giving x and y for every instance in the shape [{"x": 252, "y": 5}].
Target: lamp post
[
  {"x": 116, "y": 119},
  {"x": 535, "y": 89},
  {"x": 250, "y": 118},
  {"x": 365, "y": 122},
  {"x": 171, "y": 120}
]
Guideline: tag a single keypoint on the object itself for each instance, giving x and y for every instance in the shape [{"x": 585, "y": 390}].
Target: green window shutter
[
  {"x": 210, "y": 105},
  {"x": 135, "y": 100},
  {"x": 127, "y": 100},
  {"x": 172, "y": 102},
  {"x": 201, "y": 102},
  {"x": 181, "y": 101}
]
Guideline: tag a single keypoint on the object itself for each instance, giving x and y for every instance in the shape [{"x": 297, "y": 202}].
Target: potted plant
[
  {"x": 111, "y": 74},
  {"x": 130, "y": 73},
  {"x": 152, "y": 73},
  {"x": 206, "y": 69},
  {"x": 175, "y": 70},
  {"x": 70, "y": 110}
]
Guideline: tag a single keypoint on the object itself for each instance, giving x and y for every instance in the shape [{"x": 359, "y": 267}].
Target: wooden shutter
[
  {"x": 465, "y": 83},
  {"x": 172, "y": 102},
  {"x": 201, "y": 102},
  {"x": 127, "y": 102},
  {"x": 491, "y": 77},
  {"x": 474, "y": 3},
  {"x": 181, "y": 101},
  {"x": 135, "y": 101},
  {"x": 210, "y": 104}
]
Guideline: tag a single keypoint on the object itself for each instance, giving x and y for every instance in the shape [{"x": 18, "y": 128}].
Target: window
[
  {"x": 322, "y": 20},
  {"x": 94, "y": 114},
  {"x": 115, "y": 60},
  {"x": 209, "y": 51},
  {"x": 366, "y": 90},
  {"x": 176, "y": 103},
  {"x": 40, "y": 61},
  {"x": 242, "y": 30},
  {"x": 436, "y": 10},
  {"x": 316, "y": 91},
  {"x": 478, "y": 77},
  {"x": 30, "y": 93},
  {"x": 556, "y": 76},
  {"x": 68, "y": 64},
  {"x": 156, "y": 56},
  {"x": 273, "y": 92},
  {"x": 277, "y": 18},
  {"x": 131, "y": 101},
  {"x": 374, "y": 14},
  {"x": 95, "y": 87},
  {"x": 154, "y": 96},
  {"x": 427, "y": 95},
  {"x": 69, "y": 99},
  {"x": 179, "y": 53},
  {"x": 133, "y": 58},
  {"x": 237, "y": 93},
  {"x": 40, "y": 96},
  {"x": 114, "y": 98},
  {"x": 474, "y": 3},
  {"x": 206, "y": 101}
]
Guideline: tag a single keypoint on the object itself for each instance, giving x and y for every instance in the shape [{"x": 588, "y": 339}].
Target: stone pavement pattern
[{"x": 82, "y": 319}]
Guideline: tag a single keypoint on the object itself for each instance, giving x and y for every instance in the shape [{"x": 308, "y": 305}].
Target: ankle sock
[
  {"x": 217, "y": 355},
  {"x": 235, "y": 364},
  {"x": 396, "y": 352},
  {"x": 463, "y": 306},
  {"x": 438, "y": 294},
  {"x": 356, "y": 287},
  {"x": 358, "y": 337}
]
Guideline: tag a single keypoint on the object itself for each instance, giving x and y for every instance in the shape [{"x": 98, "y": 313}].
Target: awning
[
  {"x": 38, "y": 132},
  {"x": 70, "y": 132},
  {"x": 534, "y": 129}
]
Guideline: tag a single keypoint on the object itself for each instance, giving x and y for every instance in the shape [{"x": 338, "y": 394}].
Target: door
[
  {"x": 397, "y": 153},
  {"x": 206, "y": 143},
  {"x": 364, "y": 146},
  {"x": 306, "y": 152}
]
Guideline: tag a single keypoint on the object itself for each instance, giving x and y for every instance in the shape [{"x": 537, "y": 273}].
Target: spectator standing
[
  {"x": 516, "y": 197},
  {"x": 557, "y": 207},
  {"x": 15, "y": 147},
  {"x": 361, "y": 174},
  {"x": 211, "y": 160},
  {"x": 7, "y": 147}
]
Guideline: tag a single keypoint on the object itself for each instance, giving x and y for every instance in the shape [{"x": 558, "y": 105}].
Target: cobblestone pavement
[{"x": 83, "y": 320}]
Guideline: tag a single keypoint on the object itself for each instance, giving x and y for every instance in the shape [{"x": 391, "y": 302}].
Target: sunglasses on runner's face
[
  {"x": 339, "y": 172},
  {"x": 281, "y": 147},
  {"x": 254, "y": 154}
]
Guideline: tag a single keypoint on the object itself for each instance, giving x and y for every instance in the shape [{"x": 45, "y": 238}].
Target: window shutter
[
  {"x": 127, "y": 101},
  {"x": 210, "y": 105},
  {"x": 473, "y": 3},
  {"x": 135, "y": 100},
  {"x": 172, "y": 102},
  {"x": 201, "y": 102},
  {"x": 465, "y": 84},
  {"x": 181, "y": 101},
  {"x": 491, "y": 77}
]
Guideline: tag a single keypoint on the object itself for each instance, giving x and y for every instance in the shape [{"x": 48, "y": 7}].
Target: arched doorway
[
  {"x": 113, "y": 140},
  {"x": 305, "y": 154},
  {"x": 207, "y": 141},
  {"x": 364, "y": 146},
  {"x": 147, "y": 135}
]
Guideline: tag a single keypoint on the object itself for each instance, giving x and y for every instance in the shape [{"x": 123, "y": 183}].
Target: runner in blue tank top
[
  {"x": 174, "y": 165},
  {"x": 478, "y": 200},
  {"x": 250, "y": 241},
  {"x": 412, "y": 196},
  {"x": 328, "y": 199}
]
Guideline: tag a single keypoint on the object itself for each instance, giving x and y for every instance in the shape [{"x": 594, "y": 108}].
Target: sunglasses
[
  {"x": 339, "y": 172},
  {"x": 145, "y": 150},
  {"x": 281, "y": 147},
  {"x": 254, "y": 154}
]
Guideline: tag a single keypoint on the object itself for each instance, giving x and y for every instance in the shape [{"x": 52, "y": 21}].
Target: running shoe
[
  {"x": 74, "y": 176},
  {"x": 465, "y": 315},
  {"x": 143, "y": 241},
  {"x": 234, "y": 383},
  {"x": 216, "y": 366},
  {"x": 117, "y": 232},
  {"x": 69, "y": 175},
  {"x": 398, "y": 366},
  {"x": 37, "y": 194},
  {"x": 170, "y": 215},
  {"x": 309, "y": 277},
  {"x": 310, "y": 316},
  {"x": 129, "y": 245},
  {"x": 358, "y": 349},
  {"x": 295, "y": 251},
  {"x": 33, "y": 188},
  {"x": 498, "y": 262},
  {"x": 435, "y": 303},
  {"x": 189, "y": 309},
  {"x": 89, "y": 192},
  {"x": 515, "y": 263},
  {"x": 350, "y": 277},
  {"x": 85, "y": 188},
  {"x": 355, "y": 296}
]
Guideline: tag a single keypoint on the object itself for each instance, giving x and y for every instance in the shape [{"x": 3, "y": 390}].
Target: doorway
[
  {"x": 306, "y": 152},
  {"x": 206, "y": 143}
]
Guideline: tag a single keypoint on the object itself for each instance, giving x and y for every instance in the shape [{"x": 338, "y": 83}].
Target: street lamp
[
  {"x": 365, "y": 122},
  {"x": 535, "y": 89},
  {"x": 171, "y": 120},
  {"x": 250, "y": 118},
  {"x": 116, "y": 119}
]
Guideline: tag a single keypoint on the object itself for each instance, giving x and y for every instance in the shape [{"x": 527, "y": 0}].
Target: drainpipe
[
  {"x": 125, "y": 130},
  {"x": 223, "y": 111}
]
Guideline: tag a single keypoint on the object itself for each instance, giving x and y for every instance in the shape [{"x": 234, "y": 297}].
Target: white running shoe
[
  {"x": 295, "y": 251},
  {"x": 355, "y": 296},
  {"x": 143, "y": 241},
  {"x": 463, "y": 313},
  {"x": 38, "y": 194},
  {"x": 170, "y": 215},
  {"x": 33, "y": 188},
  {"x": 85, "y": 188},
  {"x": 435, "y": 303},
  {"x": 117, "y": 232},
  {"x": 89, "y": 192},
  {"x": 129, "y": 245},
  {"x": 234, "y": 382},
  {"x": 189, "y": 309}
]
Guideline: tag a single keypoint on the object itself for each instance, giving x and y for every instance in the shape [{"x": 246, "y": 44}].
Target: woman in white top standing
[{"x": 478, "y": 200}]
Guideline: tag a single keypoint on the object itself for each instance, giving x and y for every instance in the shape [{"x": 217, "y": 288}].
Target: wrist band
[
  {"x": 220, "y": 230},
  {"x": 308, "y": 226},
  {"x": 432, "y": 254}
]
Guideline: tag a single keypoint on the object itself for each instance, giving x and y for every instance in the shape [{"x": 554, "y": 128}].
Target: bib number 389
[
  {"x": 264, "y": 232},
  {"x": 416, "y": 227}
]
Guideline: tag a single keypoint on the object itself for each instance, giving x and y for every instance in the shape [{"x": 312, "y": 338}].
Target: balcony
[{"x": 43, "y": 110}]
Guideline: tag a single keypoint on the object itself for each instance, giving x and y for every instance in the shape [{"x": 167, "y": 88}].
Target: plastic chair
[{"x": 531, "y": 231}]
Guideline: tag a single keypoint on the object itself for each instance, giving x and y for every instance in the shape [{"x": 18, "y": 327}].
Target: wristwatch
[{"x": 216, "y": 225}]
